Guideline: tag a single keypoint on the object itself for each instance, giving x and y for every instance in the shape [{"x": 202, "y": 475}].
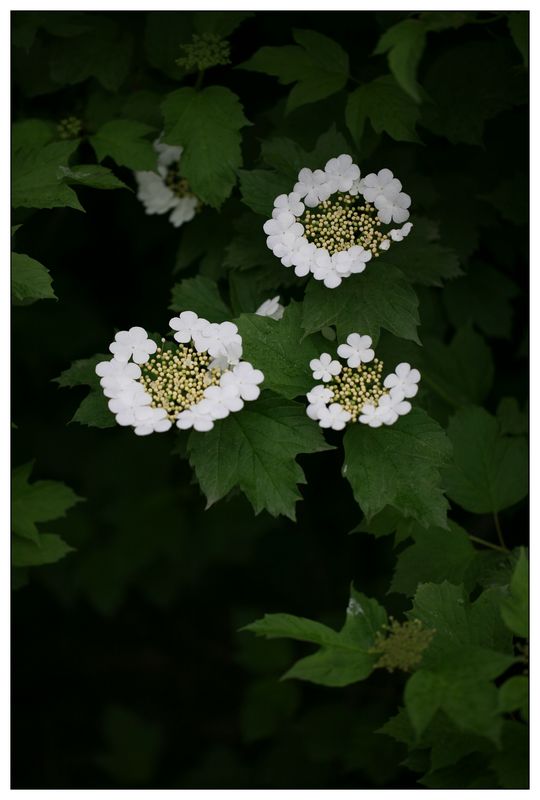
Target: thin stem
[
  {"x": 499, "y": 530},
  {"x": 497, "y": 547},
  {"x": 198, "y": 82}
]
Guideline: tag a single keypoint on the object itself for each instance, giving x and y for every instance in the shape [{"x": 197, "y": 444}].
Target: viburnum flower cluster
[
  {"x": 191, "y": 382},
  {"x": 331, "y": 224},
  {"x": 356, "y": 392},
  {"x": 165, "y": 190}
]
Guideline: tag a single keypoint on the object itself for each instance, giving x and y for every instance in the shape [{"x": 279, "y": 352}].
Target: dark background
[{"x": 128, "y": 667}]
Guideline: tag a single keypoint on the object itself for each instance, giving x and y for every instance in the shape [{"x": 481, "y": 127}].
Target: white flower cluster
[
  {"x": 164, "y": 190},
  {"x": 342, "y": 233},
  {"x": 192, "y": 383},
  {"x": 356, "y": 392}
]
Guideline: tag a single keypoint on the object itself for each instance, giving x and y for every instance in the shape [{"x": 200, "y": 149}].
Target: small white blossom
[
  {"x": 290, "y": 203},
  {"x": 245, "y": 378},
  {"x": 372, "y": 415},
  {"x": 313, "y": 186},
  {"x": 318, "y": 398},
  {"x": 271, "y": 308},
  {"x": 286, "y": 246},
  {"x": 404, "y": 378},
  {"x": 156, "y": 194},
  {"x": 341, "y": 173},
  {"x": 116, "y": 376},
  {"x": 380, "y": 183},
  {"x": 220, "y": 340},
  {"x": 334, "y": 416},
  {"x": 128, "y": 402},
  {"x": 324, "y": 269},
  {"x": 324, "y": 368},
  {"x": 393, "y": 208},
  {"x": 358, "y": 259},
  {"x": 133, "y": 344},
  {"x": 151, "y": 420},
  {"x": 398, "y": 234},
  {"x": 225, "y": 398},
  {"x": 188, "y": 325},
  {"x": 197, "y": 418},
  {"x": 357, "y": 350},
  {"x": 304, "y": 258}
]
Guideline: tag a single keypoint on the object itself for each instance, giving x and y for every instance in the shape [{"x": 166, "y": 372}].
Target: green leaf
[
  {"x": 278, "y": 349},
  {"x": 104, "y": 52},
  {"x": 38, "y": 181},
  {"x": 41, "y": 501},
  {"x": 200, "y": 295},
  {"x": 422, "y": 259},
  {"x": 515, "y": 608},
  {"x": 30, "y": 280},
  {"x": 92, "y": 175},
  {"x": 404, "y": 43},
  {"x": 436, "y": 555},
  {"x": 514, "y": 696},
  {"x": 378, "y": 298},
  {"x": 510, "y": 417},
  {"x": 256, "y": 450},
  {"x": 164, "y": 34},
  {"x": 93, "y": 410},
  {"x": 260, "y": 187},
  {"x": 483, "y": 297},
  {"x": 32, "y": 134},
  {"x": 511, "y": 762},
  {"x": 386, "y": 106},
  {"x": 460, "y": 372},
  {"x": 125, "y": 141},
  {"x": 207, "y": 125},
  {"x": 423, "y": 695},
  {"x": 399, "y": 466},
  {"x": 48, "y": 549},
  {"x": 488, "y": 471},
  {"x": 318, "y": 65},
  {"x": 518, "y": 23},
  {"x": 343, "y": 657}
]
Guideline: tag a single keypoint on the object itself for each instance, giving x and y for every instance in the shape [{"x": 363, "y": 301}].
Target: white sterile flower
[
  {"x": 150, "y": 420},
  {"x": 271, "y": 308},
  {"x": 342, "y": 173},
  {"x": 393, "y": 208},
  {"x": 289, "y": 203},
  {"x": 220, "y": 339},
  {"x": 287, "y": 245},
  {"x": 128, "y": 402},
  {"x": 357, "y": 350},
  {"x": 323, "y": 368},
  {"x": 340, "y": 225},
  {"x": 195, "y": 417},
  {"x": 313, "y": 186},
  {"x": 318, "y": 398},
  {"x": 404, "y": 378},
  {"x": 324, "y": 269},
  {"x": 334, "y": 416},
  {"x": 133, "y": 344},
  {"x": 398, "y": 234},
  {"x": 372, "y": 415},
  {"x": 165, "y": 190},
  {"x": 116, "y": 375},
  {"x": 304, "y": 258},
  {"x": 225, "y": 398},
  {"x": 187, "y": 325},
  {"x": 382, "y": 182},
  {"x": 245, "y": 378}
]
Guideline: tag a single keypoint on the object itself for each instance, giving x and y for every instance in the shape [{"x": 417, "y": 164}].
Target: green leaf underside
[
  {"x": 317, "y": 64},
  {"x": 278, "y": 349},
  {"x": 399, "y": 466},
  {"x": 488, "y": 471},
  {"x": 256, "y": 450},
  {"x": 30, "y": 280},
  {"x": 207, "y": 125},
  {"x": 378, "y": 298}
]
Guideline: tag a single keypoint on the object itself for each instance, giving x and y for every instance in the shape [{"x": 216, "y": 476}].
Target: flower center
[
  {"x": 354, "y": 387},
  {"x": 342, "y": 222},
  {"x": 176, "y": 183},
  {"x": 176, "y": 378}
]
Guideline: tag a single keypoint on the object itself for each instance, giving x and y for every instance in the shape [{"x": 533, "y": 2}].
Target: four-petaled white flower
[
  {"x": 359, "y": 394},
  {"x": 404, "y": 378},
  {"x": 398, "y": 234},
  {"x": 164, "y": 190},
  {"x": 271, "y": 308},
  {"x": 193, "y": 382},
  {"x": 330, "y": 243},
  {"x": 323, "y": 368},
  {"x": 357, "y": 350},
  {"x": 334, "y": 416},
  {"x": 133, "y": 344}
]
